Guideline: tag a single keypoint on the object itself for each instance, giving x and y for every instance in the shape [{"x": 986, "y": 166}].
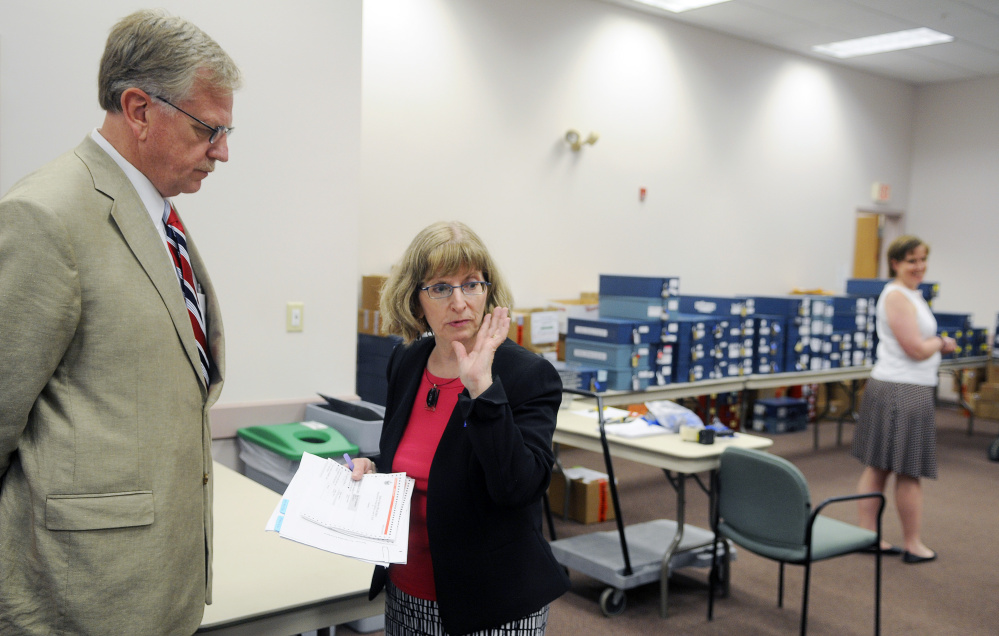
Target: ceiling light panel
[
  {"x": 883, "y": 43},
  {"x": 679, "y": 6}
]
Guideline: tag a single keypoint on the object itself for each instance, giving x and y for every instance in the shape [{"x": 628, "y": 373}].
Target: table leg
[
  {"x": 820, "y": 416},
  {"x": 851, "y": 411},
  {"x": 678, "y": 485}
]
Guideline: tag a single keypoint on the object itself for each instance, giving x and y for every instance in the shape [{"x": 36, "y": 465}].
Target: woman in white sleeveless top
[{"x": 896, "y": 432}]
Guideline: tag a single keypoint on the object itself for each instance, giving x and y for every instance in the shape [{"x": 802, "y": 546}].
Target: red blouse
[{"x": 414, "y": 456}]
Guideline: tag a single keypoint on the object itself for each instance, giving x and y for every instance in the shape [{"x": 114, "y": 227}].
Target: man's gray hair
[{"x": 162, "y": 55}]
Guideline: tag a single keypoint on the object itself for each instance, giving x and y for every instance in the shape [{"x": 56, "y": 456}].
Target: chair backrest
[{"x": 763, "y": 496}]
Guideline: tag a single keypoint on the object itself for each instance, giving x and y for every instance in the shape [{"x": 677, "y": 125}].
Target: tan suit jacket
[{"x": 105, "y": 444}]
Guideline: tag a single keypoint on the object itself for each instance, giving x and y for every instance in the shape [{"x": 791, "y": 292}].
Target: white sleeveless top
[{"x": 893, "y": 365}]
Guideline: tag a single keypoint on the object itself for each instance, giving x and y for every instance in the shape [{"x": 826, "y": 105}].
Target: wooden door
[{"x": 867, "y": 246}]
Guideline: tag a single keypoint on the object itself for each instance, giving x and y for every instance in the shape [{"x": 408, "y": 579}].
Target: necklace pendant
[{"x": 432, "y": 396}]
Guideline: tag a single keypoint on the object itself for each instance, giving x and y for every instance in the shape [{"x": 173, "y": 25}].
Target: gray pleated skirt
[{"x": 897, "y": 429}]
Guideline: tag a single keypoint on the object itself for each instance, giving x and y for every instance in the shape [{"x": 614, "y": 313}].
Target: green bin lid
[{"x": 295, "y": 438}]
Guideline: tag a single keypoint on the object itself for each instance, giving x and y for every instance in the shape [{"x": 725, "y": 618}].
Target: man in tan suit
[{"x": 105, "y": 446}]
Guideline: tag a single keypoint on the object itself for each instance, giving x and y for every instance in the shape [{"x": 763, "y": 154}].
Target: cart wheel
[
  {"x": 612, "y": 601},
  {"x": 994, "y": 450}
]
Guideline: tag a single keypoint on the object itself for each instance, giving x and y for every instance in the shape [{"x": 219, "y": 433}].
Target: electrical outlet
[{"x": 295, "y": 317}]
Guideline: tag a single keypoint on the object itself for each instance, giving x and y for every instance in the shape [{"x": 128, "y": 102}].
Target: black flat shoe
[
  {"x": 909, "y": 557},
  {"x": 891, "y": 550}
]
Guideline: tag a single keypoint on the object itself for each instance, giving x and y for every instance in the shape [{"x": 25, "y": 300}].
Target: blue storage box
[
  {"x": 639, "y": 286},
  {"x": 607, "y": 356},
  {"x": 780, "y": 415},
  {"x": 636, "y": 307},
  {"x": 874, "y": 286},
  {"x": 853, "y": 322},
  {"x": 853, "y": 304},
  {"x": 782, "y": 305},
  {"x": 780, "y": 407},
  {"x": 578, "y": 376},
  {"x": 694, "y": 371},
  {"x": 661, "y": 355},
  {"x": 822, "y": 307},
  {"x": 614, "y": 330},
  {"x": 953, "y": 321},
  {"x": 629, "y": 379},
  {"x": 775, "y": 425},
  {"x": 763, "y": 365},
  {"x": 692, "y": 328},
  {"x": 714, "y": 305}
]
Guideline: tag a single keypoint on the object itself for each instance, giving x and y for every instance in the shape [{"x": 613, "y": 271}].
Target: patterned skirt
[
  {"x": 897, "y": 429},
  {"x": 407, "y": 615}
]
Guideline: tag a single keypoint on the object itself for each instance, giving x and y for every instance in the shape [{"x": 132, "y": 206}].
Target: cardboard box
[
  {"x": 589, "y": 495},
  {"x": 371, "y": 291},
  {"x": 989, "y": 392},
  {"x": 985, "y": 408},
  {"x": 535, "y": 329},
  {"x": 586, "y": 307},
  {"x": 967, "y": 381},
  {"x": 833, "y": 399}
]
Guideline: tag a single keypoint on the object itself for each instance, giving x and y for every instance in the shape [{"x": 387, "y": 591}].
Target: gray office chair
[{"x": 764, "y": 506}]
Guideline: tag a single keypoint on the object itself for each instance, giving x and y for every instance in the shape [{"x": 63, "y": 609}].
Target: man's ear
[{"x": 135, "y": 106}]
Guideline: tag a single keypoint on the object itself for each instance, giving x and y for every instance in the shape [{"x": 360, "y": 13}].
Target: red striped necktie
[{"x": 182, "y": 264}]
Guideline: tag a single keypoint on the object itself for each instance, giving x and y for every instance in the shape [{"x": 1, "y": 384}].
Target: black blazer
[{"x": 492, "y": 564}]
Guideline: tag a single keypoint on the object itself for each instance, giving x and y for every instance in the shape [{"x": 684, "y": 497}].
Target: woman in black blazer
[{"x": 470, "y": 415}]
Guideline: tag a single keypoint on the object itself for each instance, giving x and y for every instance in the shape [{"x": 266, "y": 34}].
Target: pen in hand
[{"x": 350, "y": 464}]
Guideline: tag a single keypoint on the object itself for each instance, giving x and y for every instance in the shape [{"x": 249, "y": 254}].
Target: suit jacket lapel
[{"x": 129, "y": 214}]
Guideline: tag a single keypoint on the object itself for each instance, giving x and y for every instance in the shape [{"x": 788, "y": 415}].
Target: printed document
[{"x": 324, "y": 508}]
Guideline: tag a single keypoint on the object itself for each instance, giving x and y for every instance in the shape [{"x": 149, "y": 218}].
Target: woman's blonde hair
[
  {"x": 900, "y": 248},
  {"x": 442, "y": 249}
]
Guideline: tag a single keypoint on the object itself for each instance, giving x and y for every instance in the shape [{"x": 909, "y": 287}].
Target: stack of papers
[
  {"x": 366, "y": 520},
  {"x": 623, "y": 424},
  {"x": 637, "y": 427}
]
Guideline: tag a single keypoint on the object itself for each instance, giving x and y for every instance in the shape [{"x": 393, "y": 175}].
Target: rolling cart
[{"x": 641, "y": 553}]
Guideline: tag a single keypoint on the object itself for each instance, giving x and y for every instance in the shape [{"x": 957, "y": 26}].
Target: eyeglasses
[
  {"x": 217, "y": 131},
  {"x": 438, "y": 291}
]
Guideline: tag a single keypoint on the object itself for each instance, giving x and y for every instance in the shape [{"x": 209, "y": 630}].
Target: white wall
[
  {"x": 755, "y": 160},
  {"x": 278, "y": 223},
  {"x": 955, "y": 193}
]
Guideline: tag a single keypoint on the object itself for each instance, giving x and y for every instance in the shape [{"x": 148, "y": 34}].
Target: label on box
[
  {"x": 596, "y": 332},
  {"x": 544, "y": 327},
  {"x": 590, "y": 354},
  {"x": 705, "y": 307}
]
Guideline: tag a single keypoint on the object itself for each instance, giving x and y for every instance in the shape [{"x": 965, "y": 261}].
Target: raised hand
[{"x": 475, "y": 367}]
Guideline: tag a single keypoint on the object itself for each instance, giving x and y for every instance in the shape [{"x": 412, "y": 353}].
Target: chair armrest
[{"x": 842, "y": 498}]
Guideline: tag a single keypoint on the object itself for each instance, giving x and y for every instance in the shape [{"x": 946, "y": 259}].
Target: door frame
[{"x": 891, "y": 225}]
